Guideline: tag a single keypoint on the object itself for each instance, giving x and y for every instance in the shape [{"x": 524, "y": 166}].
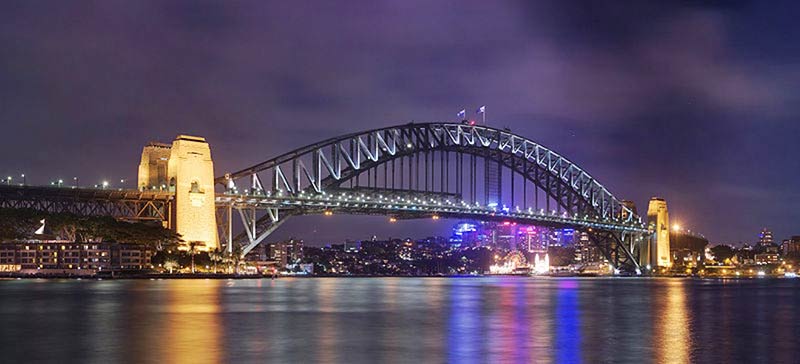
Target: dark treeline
[{"x": 20, "y": 224}]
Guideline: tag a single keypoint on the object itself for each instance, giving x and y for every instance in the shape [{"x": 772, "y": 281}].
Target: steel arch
[{"x": 325, "y": 166}]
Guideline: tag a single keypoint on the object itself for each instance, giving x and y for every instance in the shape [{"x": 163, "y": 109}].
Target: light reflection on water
[
  {"x": 400, "y": 320},
  {"x": 672, "y": 337}
]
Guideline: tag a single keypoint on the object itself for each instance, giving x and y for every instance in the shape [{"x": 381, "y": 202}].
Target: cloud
[{"x": 631, "y": 91}]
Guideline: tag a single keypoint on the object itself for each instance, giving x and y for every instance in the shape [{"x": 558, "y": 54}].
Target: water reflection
[
  {"x": 540, "y": 323},
  {"x": 327, "y": 325},
  {"x": 672, "y": 340},
  {"x": 400, "y": 320},
  {"x": 192, "y": 322},
  {"x": 568, "y": 334},
  {"x": 464, "y": 331}
]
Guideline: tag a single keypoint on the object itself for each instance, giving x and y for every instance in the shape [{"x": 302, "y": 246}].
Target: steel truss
[
  {"x": 304, "y": 180},
  {"x": 127, "y": 205}
]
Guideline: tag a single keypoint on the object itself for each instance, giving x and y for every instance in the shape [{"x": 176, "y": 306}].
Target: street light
[
  {"x": 74, "y": 182},
  {"x": 8, "y": 179},
  {"x": 676, "y": 227},
  {"x": 23, "y": 179},
  {"x": 105, "y": 184},
  {"x": 60, "y": 182}
]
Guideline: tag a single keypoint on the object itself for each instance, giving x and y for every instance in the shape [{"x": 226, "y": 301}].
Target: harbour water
[{"x": 401, "y": 320}]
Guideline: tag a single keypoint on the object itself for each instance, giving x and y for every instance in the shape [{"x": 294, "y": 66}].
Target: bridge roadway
[
  {"x": 155, "y": 205},
  {"x": 413, "y": 205}
]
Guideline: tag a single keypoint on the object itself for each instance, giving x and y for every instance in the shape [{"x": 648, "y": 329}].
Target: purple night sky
[{"x": 694, "y": 103}]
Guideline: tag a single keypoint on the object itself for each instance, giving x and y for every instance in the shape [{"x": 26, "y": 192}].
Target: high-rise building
[
  {"x": 658, "y": 220},
  {"x": 791, "y": 247},
  {"x": 285, "y": 252},
  {"x": 465, "y": 233},
  {"x": 765, "y": 237},
  {"x": 585, "y": 251}
]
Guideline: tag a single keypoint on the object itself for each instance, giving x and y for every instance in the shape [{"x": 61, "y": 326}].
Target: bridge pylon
[{"x": 189, "y": 175}]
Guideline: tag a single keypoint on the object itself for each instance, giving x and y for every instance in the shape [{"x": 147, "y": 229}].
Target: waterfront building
[
  {"x": 70, "y": 257},
  {"x": 658, "y": 251},
  {"x": 767, "y": 258}
]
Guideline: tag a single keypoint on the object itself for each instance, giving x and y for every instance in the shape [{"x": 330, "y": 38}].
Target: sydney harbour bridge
[{"x": 410, "y": 171}]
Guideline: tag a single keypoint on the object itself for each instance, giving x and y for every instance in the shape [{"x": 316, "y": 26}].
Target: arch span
[{"x": 424, "y": 169}]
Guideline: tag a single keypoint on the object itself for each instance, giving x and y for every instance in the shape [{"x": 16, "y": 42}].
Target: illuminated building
[
  {"x": 73, "y": 258},
  {"x": 465, "y": 233},
  {"x": 791, "y": 247},
  {"x": 765, "y": 237},
  {"x": 189, "y": 174},
  {"x": 502, "y": 235},
  {"x": 562, "y": 237},
  {"x": 513, "y": 263},
  {"x": 767, "y": 258},
  {"x": 541, "y": 266},
  {"x": 585, "y": 251},
  {"x": 280, "y": 253},
  {"x": 533, "y": 239},
  {"x": 658, "y": 219}
]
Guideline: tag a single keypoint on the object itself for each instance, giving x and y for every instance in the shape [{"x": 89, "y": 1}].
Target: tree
[
  {"x": 216, "y": 256},
  {"x": 722, "y": 252},
  {"x": 19, "y": 223},
  {"x": 233, "y": 260},
  {"x": 561, "y": 256},
  {"x": 193, "y": 245},
  {"x": 171, "y": 264}
]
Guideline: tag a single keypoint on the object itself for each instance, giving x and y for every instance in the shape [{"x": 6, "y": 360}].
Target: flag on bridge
[
  {"x": 481, "y": 110},
  {"x": 462, "y": 115}
]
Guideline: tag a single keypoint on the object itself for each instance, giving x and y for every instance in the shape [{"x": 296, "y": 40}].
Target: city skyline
[{"x": 692, "y": 104}]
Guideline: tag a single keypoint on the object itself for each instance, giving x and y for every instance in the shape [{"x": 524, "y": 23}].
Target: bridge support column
[
  {"x": 191, "y": 178},
  {"x": 615, "y": 251}
]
